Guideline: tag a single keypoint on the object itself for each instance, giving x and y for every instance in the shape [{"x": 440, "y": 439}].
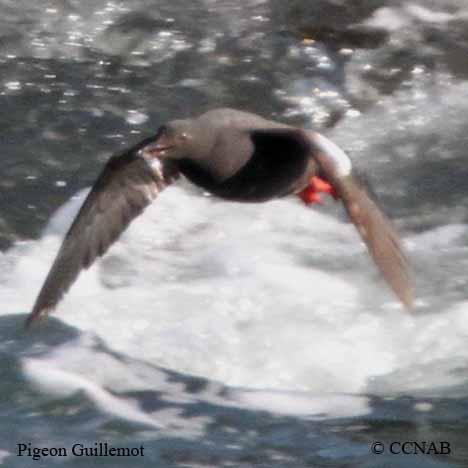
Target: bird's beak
[{"x": 157, "y": 148}]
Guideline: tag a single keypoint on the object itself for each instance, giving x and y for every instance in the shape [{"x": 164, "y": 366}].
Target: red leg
[{"x": 316, "y": 186}]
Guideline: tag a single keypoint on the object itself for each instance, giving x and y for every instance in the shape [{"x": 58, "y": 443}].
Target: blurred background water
[{"x": 218, "y": 334}]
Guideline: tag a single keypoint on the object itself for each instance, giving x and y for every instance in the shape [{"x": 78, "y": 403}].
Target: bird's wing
[
  {"x": 125, "y": 187},
  {"x": 376, "y": 230}
]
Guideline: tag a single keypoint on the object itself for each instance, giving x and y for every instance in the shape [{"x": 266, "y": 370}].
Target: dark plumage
[{"x": 236, "y": 156}]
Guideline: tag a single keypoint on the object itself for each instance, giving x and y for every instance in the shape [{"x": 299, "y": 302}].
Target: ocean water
[{"x": 224, "y": 334}]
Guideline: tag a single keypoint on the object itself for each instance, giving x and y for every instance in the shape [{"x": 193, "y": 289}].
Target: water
[{"x": 223, "y": 334}]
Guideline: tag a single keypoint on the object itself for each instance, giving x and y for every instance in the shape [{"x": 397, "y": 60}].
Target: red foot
[{"x": 311, "y": 193}]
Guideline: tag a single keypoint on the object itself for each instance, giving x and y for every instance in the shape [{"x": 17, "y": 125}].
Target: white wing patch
[
  {"x": 340, "y": 160},
  {"x": 156, "y": 166}
]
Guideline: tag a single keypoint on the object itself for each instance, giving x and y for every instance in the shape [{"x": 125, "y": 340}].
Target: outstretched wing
[
  {"x": 125, "y": 187},
  {"x": 376, "y": 230}
]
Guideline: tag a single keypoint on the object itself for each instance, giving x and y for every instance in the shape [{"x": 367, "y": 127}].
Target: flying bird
[{"x": 234, "y": 155}]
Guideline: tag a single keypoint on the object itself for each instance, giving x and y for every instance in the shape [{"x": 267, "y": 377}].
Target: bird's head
[{"x": 174, "y": 140}]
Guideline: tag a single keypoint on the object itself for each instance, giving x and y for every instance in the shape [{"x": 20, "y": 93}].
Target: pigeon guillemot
[{"x": 236, "y": 156}]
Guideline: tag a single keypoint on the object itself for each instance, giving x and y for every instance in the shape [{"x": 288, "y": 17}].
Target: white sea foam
[
  {"x": 304, "y": 404},
  {"x": 52, "y": 380},
  {"x": 270, "y": 297}
]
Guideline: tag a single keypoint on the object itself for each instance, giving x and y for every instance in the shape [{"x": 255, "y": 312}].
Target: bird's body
[
  {"x": 226, "y": 160},
  {"x": 237, "y": 156}
]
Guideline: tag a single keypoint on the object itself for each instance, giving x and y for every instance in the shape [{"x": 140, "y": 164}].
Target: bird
[{"x": 234, "y": 155}]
